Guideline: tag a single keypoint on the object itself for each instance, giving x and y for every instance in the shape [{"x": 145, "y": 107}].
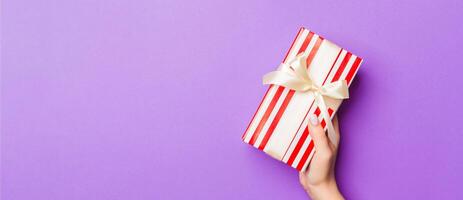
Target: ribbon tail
[{"x": 324, "y": 112}]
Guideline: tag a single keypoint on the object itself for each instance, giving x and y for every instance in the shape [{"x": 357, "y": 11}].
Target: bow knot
[{"x": 295, "y": 76}]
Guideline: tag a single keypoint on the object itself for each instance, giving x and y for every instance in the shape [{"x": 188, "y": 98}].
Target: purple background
[{"x": 148, "y": 99}]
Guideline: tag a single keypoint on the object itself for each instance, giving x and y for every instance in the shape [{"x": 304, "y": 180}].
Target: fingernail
[{"x": 313, "y": 119}]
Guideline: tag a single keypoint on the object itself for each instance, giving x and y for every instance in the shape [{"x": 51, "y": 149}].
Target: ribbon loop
[{"x": 295, "y": 76}]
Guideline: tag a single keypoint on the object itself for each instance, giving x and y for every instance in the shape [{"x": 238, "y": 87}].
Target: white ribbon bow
[{"x": 295, "y": 76}]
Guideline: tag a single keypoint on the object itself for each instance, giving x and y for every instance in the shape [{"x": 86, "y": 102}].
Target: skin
[{"x": 319, "y": 180}]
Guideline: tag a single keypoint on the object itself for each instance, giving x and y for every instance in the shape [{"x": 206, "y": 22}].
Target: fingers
[
  {"x": 318, "y": 135},
  {"x": 303, "y": 179},
  {"x": 336, "y": 131}
]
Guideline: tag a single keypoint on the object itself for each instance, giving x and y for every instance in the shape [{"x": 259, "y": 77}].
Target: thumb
[{"x": 318, "y": 135}]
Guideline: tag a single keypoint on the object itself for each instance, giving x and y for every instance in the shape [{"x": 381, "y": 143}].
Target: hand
[{"x": 319, "y": 180}]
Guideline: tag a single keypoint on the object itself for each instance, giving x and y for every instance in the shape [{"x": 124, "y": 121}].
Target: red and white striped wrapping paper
[{"x": 279, "y": 126}]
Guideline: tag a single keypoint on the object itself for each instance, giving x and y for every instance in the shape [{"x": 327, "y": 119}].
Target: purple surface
[{"x": 148, "y": 99}]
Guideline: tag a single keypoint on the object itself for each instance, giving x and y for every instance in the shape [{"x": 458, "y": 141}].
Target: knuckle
[
  {"x": 319, "y": 130},
  {"x": 302, "y": 182},
  {"x": 327, "y": 155}
]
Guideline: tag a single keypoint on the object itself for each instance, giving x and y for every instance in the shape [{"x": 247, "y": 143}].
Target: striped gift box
[{"x": 279, "y": 126}]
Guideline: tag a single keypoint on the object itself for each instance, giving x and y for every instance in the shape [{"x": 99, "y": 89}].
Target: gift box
[{"x": 302, "y": 84}]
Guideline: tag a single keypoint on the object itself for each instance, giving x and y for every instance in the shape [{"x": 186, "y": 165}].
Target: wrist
[{"x": 325, "y": 190}]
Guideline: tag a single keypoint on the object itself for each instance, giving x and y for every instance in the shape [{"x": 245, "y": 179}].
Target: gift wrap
[{"x": 313, "y": 78}]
